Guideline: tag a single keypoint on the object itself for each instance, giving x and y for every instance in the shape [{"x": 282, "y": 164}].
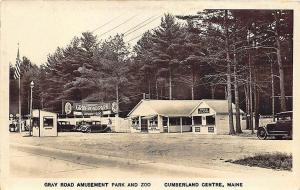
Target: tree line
[{"x": 244, "y": 56}]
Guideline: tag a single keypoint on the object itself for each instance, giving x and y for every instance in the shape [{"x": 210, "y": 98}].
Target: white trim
[
  {"x": 196, "y": 107},
  {"x": 134, "y": 108},
  {"x": 148, "y": 108}
]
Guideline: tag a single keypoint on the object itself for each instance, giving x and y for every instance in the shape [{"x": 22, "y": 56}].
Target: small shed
[{"x": 44, "y": 123}]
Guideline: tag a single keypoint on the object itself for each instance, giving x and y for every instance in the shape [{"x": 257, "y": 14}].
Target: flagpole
[
  {"x": 19, "y": 77},
  {"x": 20, "y": 116}
]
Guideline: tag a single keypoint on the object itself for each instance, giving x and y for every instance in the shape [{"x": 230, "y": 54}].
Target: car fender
[{"x": 265, "y": 128}]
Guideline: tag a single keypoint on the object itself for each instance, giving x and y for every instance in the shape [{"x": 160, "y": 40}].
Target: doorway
[{"x": 144, "y": 126}]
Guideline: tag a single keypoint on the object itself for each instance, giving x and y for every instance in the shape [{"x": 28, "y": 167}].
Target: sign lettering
[
  {"x": 88, "y": 108},
  {"x": 203, "y": 110}
]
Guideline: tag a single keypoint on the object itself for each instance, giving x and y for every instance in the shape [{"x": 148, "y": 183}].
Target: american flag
[{"x": 17, "y": 67}]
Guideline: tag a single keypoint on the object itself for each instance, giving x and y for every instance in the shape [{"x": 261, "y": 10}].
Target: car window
[{"x": 284, "y": 118}]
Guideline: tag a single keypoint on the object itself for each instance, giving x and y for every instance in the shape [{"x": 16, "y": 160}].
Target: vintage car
[
  {"x": 64, "y": 126},
  {"x": 79, "y": 125},
  {"x": 282, "y": 127},
  {"x": 95, "y": 126}
]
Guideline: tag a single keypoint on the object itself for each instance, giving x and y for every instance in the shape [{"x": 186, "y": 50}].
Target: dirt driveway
[{"x": 187, "y": 149}]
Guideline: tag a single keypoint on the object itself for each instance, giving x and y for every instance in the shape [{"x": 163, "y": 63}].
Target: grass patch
[{"x": 276, "y": 161}]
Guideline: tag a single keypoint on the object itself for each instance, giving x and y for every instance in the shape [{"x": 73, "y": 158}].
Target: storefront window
[
  {"x": 210, "y": 120},
  {"x": 174, "y": 121},
  {"x": 211, "y": 129},
  {"x": 153, "y": 121},
  {"x": 135, "y": 121},
  {"x": 48, "y": 121},
  {"x": 197, "y": 120},
  {"x": 186, "y": 121},
  {"x": 165, "y": 121}
]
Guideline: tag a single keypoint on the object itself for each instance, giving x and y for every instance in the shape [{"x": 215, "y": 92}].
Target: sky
[{"x": 41, "y": 26}]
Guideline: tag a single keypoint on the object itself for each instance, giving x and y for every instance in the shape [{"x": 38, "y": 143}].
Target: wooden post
[
  {"x": 192, "y": 124},
  {"x": 148, "y": 125},
  {"x": 168, "y": 125},
  {"x": 140, "y": 123},
  {"x": 180, "y": 124}
]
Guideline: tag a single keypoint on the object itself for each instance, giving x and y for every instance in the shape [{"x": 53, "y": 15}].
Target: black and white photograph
[{"x": 148, "y": 95}]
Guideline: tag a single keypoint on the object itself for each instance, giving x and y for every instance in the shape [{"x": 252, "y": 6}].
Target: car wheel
[
  {"x": 89, "y": 130},
  {"x": 262, "y": 133}
]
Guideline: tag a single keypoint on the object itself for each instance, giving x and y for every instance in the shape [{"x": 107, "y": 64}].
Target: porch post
[
  {"x": 140, "y": 123},
  {"x": 192, "y": 124},
  {"x": 192, "y": 121},
  {"x": 180, "y": 124},
  {"x": 168, "y": 124}
]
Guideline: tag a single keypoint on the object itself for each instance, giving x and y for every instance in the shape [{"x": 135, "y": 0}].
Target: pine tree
[{"x": 167, "y": 43}]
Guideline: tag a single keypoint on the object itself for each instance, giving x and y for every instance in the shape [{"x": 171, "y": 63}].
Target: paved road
[{"x": 34, "y": 161}]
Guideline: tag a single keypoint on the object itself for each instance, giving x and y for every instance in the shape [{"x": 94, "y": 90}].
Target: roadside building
[
  {"x": 104, "y": 112},
  {"x": 173, "y": 116},
  {"x": 44, "y": 123},
  {"x": 211, "y": 117}
]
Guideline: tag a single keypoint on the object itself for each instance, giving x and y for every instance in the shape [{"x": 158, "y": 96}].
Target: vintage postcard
[{"x": 149, "y": 95}]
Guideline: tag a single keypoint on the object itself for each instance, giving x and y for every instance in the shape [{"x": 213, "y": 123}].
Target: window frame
[{"x": 48, "y": 117}]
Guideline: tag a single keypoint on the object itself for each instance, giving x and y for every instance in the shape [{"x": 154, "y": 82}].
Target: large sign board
[{"x": 90, "y": 108}]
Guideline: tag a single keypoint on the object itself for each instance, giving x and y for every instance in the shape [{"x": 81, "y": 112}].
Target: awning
[{"x": 149, "y": 117}]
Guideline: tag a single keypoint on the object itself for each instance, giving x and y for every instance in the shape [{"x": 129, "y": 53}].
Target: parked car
[
  {"x": 95, "y": 126},
  {"x": 282, "y": 127},
  {"x": 64, "y": 126},
  {"x": 79, "y": 125}
]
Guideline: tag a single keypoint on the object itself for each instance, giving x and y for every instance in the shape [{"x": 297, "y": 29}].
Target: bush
[{"x": 278, "y": 161}]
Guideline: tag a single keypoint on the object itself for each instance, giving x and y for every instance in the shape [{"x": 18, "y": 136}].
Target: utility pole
[
  {"x": 117, "y": 99},
  {"x": 250, "y": 96},
  {"x": 117, "y": 111},
  {"x": 273, "y": 92},
  {"x": 170, "y": 84},
  {"x": 31, "y": 89},
  {"x": 42, "y": 101}
]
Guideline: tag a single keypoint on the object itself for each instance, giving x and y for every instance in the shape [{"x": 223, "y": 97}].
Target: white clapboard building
[{"x": 177, "y": 116}]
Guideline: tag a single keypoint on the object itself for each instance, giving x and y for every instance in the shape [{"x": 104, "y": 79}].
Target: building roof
[
  {"x": 169, "y": 107},
  {"x": 37, "y": 112},
  {"x": 219, "y": 106},
  {"x": 181, "y": 107}
]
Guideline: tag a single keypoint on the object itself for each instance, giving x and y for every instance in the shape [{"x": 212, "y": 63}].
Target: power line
[
  {"x": 143, "y": 25},
  {"x": 118, "y": 25},
  {"x": 106, "y": 23},
  {"x": 137, "y": 36},
  {"x": 138, "y": 25}
]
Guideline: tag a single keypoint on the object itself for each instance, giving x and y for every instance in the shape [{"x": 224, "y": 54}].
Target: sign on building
[
  {"x": 90, "y": 108},
  {"x": 203, "y": 110}
]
